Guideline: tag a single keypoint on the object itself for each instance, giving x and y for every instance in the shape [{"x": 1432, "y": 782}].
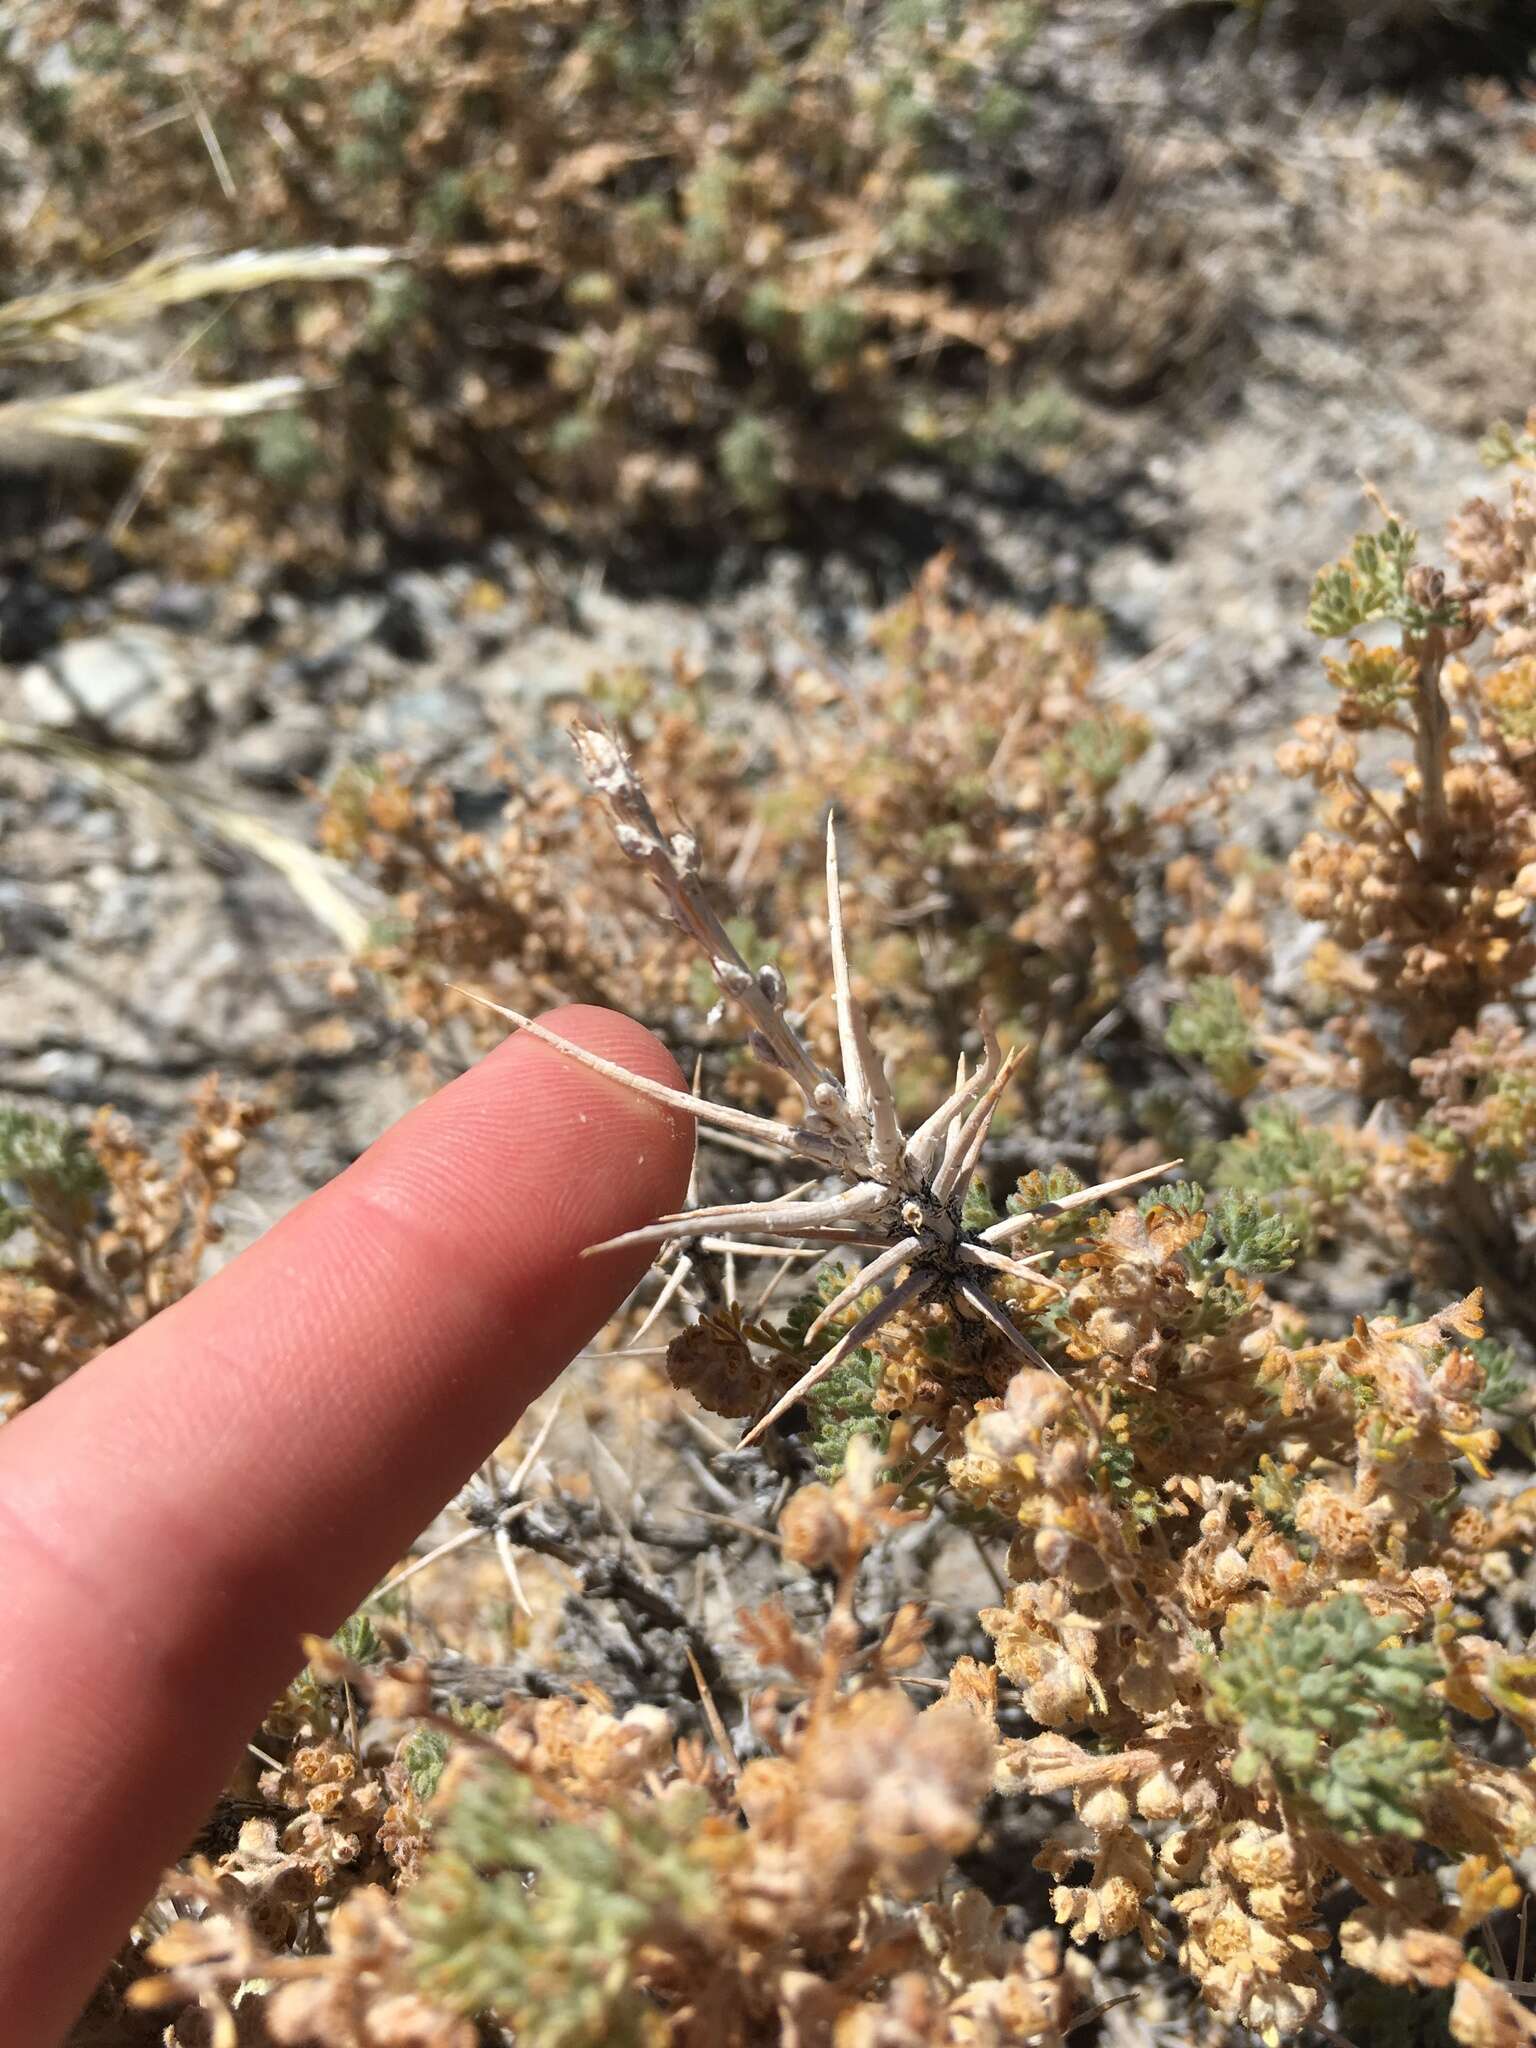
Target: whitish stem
[
  {"x": 852, "y": 1204},
  {"x": 509, "y": 1565},
  {"x": 999, "y": 1262},
  {"x": 865, "y": 1082},
  {"x": 785, "y": 1137},
  {"x": 858, "y": 1333},
  {"x": 675, "y": 1280},
  {"x": 966, "y": 1140},
  {"x": 984, "y": 1306},
  {"x": 926, "y": 1142},
  {"x": 855, "y": 1081},
  {"x": 868, "y": 1276},
  {"x": 673, "y": 865},
  {"x": 765, "y": 1292},
  {"x": 530, "y": 1457},
  {"x": 739, "y": 1250},
  {"x": 1016, "y": 1226},
  {"x": 458, "y": 1541}
]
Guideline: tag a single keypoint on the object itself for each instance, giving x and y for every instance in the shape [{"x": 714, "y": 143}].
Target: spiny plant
[
  {"x": 1243, "y": 1690},
  {"x": 906, "y": 1191},
  {"x": 1234, "y": 1620},
  {"x": 986, "y": 780}
]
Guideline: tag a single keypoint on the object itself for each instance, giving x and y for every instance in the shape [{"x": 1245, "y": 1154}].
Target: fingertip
[
  {"x": 533, "y": 1156},
  {"x": 616, "y": 1037}
]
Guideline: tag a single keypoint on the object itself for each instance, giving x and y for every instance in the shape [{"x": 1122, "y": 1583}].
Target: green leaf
[
  {"x": 535, "y": 1918},
  {"x": 1372, "y": 582},
  {"x": 1340, "y": 1714},
  {"x": 424, "y": 1755}
]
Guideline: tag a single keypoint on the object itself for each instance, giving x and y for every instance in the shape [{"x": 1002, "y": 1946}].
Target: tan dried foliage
[{"x": 107, "y": 1235}]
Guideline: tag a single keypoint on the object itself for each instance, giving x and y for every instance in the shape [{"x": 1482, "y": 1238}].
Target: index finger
[{"x": 247, "y": 1465}]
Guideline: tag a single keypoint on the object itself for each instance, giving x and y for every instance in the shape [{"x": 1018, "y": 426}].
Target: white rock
[
  {"x": 287, "y": 750},
  {"x": 132, "y": 686}
]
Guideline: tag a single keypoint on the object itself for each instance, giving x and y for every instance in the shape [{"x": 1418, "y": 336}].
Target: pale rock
[{"x": 132, "y": 687}]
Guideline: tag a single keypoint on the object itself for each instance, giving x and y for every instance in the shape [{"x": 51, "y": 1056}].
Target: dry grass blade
[
  {"x": 63, "y": 324},
  {"x": 128, "y": 413},
  {"x": 326, "y": 889},
  {"x": 55, "y": 325}
]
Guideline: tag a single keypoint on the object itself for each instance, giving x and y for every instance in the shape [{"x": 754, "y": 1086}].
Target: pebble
[
  {"x": 284, "y": 751},
  {"x": 132, "y": 687},
  {"x": 27, "y": 923},
  {"x": 187, "y": 606},
  {"x": 403, "y": 628},
  {"x": 71, "y": 1075},
  {"x": 236, "y": 687},
  {"x": 124, "y": 911},
  {"x": 426, "y": 724},
  {"x": 31, "y": 618},
  {"x": 341, "y": 632}
]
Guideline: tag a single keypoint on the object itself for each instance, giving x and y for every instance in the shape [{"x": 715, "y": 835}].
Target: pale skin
[{"x": 248, "y": 1465}]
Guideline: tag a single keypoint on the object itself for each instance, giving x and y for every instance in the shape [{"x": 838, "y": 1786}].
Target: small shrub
[
  {"x": 98, "y": 1236},
  {"x": 662, "y": 272},
  {"x": 1337, "y": 1709}
]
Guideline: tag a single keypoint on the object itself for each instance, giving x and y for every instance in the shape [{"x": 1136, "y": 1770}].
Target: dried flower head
[{"x": 905, "y": 1192}]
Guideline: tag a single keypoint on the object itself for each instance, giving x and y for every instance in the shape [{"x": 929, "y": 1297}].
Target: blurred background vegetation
[{"x": 655, "y": 271}]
